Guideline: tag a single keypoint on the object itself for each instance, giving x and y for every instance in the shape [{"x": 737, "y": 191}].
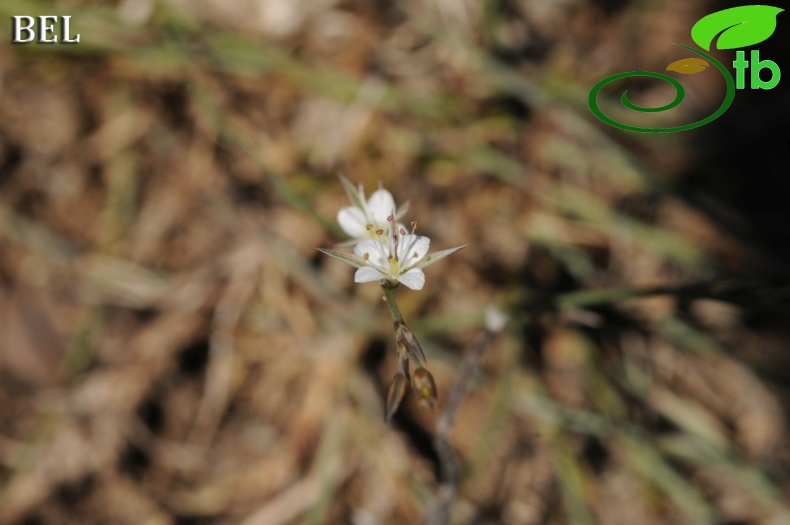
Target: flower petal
[
  {"x": 413, "y": 279},
  {"x": 376, "y": 251},
  {"x": 363, "y": 247},
  {"x": 353, "y": 221},
  {"x": 381, "y": 205},
  {"x": 411, "y": 245},
  {"x": 366, "y": 274}
]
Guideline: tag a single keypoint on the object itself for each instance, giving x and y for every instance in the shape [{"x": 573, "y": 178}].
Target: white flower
[
  {"x": 395, "y": 260},
  {"x": 366, "y": 216},
  {"x": 383, "y": 250},
  {"x": 392, "y": 255}
]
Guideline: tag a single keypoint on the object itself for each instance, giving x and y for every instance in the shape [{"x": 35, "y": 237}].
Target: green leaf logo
[
  {"x": 739, "y": 27},
  {"x": 688, "y": 66}
]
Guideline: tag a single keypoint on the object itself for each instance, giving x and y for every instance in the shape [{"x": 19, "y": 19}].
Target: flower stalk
[{"x": 389, "y": 298}]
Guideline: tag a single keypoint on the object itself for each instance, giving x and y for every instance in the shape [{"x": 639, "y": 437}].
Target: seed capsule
[
  {"x": 422, "y": 381},
  {"x": 396, "y": 394},
  {"x": 407, "y": 343}
]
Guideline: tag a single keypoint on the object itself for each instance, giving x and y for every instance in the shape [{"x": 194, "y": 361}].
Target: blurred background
[{"x": 174, "y": 350}]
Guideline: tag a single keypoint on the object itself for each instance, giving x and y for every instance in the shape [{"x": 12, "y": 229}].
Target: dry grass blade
[{"x": 174, "y": 349}]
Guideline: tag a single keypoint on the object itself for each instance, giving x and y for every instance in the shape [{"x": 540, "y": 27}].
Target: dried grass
[{"x": 174, "y": 350}]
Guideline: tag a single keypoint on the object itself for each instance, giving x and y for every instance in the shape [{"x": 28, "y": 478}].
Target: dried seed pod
[
  {"x": 407, "y": 343},
  {"x": 395, "y": 394},
  {"x": 422, "y": 381}
]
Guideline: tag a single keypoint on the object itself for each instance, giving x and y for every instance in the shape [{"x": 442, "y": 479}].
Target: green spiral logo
[{"x": 680, "y": 94}]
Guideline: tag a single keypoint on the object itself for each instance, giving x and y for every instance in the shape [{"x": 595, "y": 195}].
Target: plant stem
[
  {"x": 389, "y": 297},
  {"x": 438, "y": 512}
]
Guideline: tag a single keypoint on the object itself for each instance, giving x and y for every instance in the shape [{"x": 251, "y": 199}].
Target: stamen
[
  {"x": 402, "y": 231},
  {"x": 394, "y": 247},
  {"x": 414, "y": 255},
  {"x": 379, "y": 232},
  {"x": 390, "y": 218},
  {"x": 382, "y": 255},
  {"x": 366, "y": 256},
  {"x": 368, "y": 227}
]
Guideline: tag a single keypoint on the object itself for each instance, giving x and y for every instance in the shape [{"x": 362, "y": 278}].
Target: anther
[
  {"x": 366, "y": 256},
  {"x": 368, "y": 227},
  {"x": 379, "y": 232}
]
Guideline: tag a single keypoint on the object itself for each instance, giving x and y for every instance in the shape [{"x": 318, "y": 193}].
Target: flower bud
[
  {"x": 422, "y": 381},
  {"x": 407, "y": 343},
  {"x": 395, "y": 394}
]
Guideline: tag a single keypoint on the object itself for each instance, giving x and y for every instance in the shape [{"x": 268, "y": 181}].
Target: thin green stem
[{"x": 389, "y": 296}]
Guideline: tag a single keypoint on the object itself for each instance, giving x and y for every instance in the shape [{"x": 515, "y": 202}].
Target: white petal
[
  {"x": 421, "y": 245},
  {"x": 413, "y": 279},
  {"x": 381, "y": 205},
  {"x": 353, "y": 221},
  {"x": 411, "y": 245},
  {"x": 377, "y": 252},
  {"x": 363, "y": 247},
  {"x": 366, "y": 274}
]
